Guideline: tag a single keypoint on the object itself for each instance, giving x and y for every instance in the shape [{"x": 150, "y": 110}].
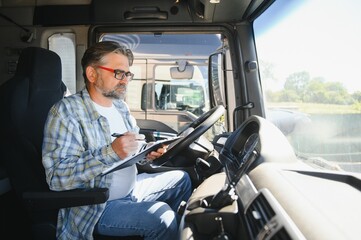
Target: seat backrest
[
  {"x": 25, "y": 101},
  {"x": 27, "y": 97}
]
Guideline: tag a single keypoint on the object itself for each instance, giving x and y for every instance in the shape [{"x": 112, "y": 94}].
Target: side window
[
  {"x": 311, "y": 77},
  {"x": 64, "y": 45}
]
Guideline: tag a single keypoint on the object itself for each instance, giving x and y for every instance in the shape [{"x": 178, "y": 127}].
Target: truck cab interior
[{"x": 264, "y": 95}]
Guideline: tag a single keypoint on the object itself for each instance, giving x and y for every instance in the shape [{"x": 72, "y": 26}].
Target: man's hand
[
  {"x": 127, "y": 144},
  {"x": 156, "y": 154}
]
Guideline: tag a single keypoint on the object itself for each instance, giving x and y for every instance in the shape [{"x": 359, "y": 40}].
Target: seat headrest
[
  {"x": 41, "y": 66},
  {"x": 37, "y": 85}
]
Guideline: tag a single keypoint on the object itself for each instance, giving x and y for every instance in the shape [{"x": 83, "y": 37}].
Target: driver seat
[{"x": 28, "y": 96}]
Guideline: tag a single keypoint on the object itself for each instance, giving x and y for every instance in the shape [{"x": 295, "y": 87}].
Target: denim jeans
[{"x": 150, "y": 209}]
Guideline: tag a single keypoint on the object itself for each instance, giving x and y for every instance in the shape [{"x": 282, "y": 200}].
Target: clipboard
[{"x": 140, "y": 155}]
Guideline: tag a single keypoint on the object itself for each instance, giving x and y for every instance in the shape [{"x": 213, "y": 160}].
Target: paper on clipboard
[{"x": 140, "y": 155}]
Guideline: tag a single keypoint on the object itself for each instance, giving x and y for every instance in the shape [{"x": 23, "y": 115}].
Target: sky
[{"x": 307, "y": 38}]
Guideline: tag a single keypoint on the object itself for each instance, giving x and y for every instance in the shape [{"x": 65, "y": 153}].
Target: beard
[{"x": 118, "y": 92}]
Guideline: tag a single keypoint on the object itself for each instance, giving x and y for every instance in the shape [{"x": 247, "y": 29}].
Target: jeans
[{"x": 150, "y": 209}]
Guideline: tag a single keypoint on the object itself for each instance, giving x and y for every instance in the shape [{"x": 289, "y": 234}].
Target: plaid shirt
[{"x": 76, "y": 149}]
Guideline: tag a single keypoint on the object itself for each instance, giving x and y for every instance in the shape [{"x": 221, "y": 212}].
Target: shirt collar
[{"x": 121, "y": 106}]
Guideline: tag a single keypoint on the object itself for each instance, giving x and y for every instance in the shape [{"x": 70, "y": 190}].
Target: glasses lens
[
  {"x": 129, "y": 75},
  {"x": 120, "y": 75}
]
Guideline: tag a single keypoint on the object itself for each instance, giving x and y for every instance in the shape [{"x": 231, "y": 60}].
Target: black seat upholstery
[
  {"x": 25, "y": 101},
  {"x": 36, "y": 86}
]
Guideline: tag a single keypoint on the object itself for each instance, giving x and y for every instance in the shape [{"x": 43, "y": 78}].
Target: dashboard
[{"x": 266, "y": 192}]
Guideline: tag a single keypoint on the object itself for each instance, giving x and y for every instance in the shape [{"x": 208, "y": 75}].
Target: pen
[
  {"x": 121, "y": 135},
  {"x": 163, "y": 134},
  {"x": 117, "y": 135}
]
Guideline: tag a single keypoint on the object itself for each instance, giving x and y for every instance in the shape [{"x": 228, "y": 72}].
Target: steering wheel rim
[{"x": 200, "y": 125}]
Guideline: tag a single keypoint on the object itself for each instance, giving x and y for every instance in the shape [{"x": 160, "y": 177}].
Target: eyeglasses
[{"x": 119, "y": 74}]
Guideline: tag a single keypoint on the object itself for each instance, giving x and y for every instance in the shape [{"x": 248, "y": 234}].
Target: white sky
[{"x": 307, "y": 41}]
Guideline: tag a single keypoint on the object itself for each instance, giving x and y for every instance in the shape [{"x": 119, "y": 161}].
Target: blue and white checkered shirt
[{"x": 76, "y": 149}]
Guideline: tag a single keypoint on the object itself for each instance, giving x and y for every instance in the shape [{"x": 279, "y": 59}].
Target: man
[{"x": 78, "y": 146}]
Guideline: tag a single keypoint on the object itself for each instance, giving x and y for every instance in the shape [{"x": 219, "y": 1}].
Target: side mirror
[
  {"x": 147, "y": 99},
  {"x": 216, "y": 79},
  {"x": 143, "y": 104}
]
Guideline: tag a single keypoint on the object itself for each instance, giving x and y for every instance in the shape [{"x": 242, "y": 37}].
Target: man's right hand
[{"x": 127, "y": 144}]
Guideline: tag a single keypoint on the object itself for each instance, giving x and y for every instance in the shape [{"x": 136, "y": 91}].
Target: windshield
[
  {"x": 170, "y": 83},
  {"x": 310, "y": 71}
]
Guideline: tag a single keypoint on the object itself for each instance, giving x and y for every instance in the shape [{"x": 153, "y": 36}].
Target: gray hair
[{"x": 95, "y": 53}]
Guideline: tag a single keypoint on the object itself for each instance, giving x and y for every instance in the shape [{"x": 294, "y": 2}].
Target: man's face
[{"x": 106, "y": 83}]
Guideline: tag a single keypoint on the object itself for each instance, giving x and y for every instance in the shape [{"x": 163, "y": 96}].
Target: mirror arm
[{"x": 246, "y": 106}]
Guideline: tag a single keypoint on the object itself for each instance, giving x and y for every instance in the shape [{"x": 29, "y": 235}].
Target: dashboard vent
[{"x": 258, "y": 214}]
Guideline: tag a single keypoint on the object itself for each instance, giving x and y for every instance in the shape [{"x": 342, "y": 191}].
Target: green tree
[
  {"x": 337, "y": 93},
  {"x": 315, "y": 91},
  {"x": 289, "y": 96},
  {"x": 298, "y": 83},
  {"x": 356, "y": 96}
]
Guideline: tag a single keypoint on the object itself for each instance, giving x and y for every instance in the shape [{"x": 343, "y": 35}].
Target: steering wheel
[{"x": 199, "y": 126}]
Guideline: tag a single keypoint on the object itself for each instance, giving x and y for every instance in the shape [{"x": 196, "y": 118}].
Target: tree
[
  {"x": 315, "y": 91},
  {"x": 337, "y": 93},
  {"x": 356, "y": 96},
  {"x": 298, "y": 83},
  {"x": 289, "y": 96}
]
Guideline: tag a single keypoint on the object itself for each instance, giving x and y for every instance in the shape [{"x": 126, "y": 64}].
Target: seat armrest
[{"x": 64, "y": 199}]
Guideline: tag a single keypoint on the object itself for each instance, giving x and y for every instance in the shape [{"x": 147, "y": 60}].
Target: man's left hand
[{"x": 156, "y": 154}]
